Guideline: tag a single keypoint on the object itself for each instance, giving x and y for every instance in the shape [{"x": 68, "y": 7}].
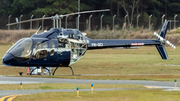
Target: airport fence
[{"x": 89, "y": 23}]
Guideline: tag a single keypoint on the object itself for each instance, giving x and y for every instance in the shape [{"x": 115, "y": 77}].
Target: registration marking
[{"x": 97, "y": 44}]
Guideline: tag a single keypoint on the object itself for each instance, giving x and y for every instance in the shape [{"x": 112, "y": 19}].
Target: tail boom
[
  {"x": 159, "y": 42},
  {"x": 101, "y": 44}
]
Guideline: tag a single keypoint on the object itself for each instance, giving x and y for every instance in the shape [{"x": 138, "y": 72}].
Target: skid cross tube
[
  {"x": 58, "y": 67},
  {"x": 32, "y": 71},
  {"x": 48, "y": 71},
  {"x": 54, "y": 71},
  {"x": 71, "y": 70}
]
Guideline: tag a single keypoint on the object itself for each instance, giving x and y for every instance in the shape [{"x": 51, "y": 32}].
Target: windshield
[{"x": 22, "y": 48}]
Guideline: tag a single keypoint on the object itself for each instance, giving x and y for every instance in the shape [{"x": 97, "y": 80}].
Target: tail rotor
[
  {"x": 161, "y": 37},
  {"x": 164, "y": 40}
]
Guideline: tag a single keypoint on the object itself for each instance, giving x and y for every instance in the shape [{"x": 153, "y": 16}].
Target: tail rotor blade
[{"x": 164, "y": 40}]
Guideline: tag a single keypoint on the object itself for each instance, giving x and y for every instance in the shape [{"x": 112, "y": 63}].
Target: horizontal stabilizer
[{"x": 162, "y": 51}]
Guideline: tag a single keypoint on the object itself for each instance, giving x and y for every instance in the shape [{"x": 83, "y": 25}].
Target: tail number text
[{"x": 97, "y": 44}]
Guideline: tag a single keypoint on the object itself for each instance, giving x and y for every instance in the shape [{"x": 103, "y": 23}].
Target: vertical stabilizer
[
  {"x": 162, "y": 51},
  {"x": 163, "y": 30},
  {"x": 161, "y": 37}
]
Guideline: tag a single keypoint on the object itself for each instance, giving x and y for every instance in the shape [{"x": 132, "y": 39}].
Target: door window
[
  {"x": 52, "y": 47},
  {"x": 41, "y": 50}
]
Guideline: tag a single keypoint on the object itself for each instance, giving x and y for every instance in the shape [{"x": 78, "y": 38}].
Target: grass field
[
  {"x": 116, "y": 64},
  {"x": 122, "y": 95},
  {"x": 45, "y": 86}
]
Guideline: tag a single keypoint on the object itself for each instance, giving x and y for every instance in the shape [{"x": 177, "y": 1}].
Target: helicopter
[{"x": 60, "y": 47}]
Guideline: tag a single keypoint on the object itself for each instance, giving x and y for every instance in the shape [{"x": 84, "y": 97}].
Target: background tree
[
  {"x": 5, "y": 7},
  {"x": 118, "y": 7},
  {"x": 129, "y": 6},
  {"x": 45, "y": 7}
]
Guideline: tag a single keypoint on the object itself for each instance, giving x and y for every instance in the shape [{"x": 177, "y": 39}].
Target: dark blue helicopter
[{"x": 60, "y": 47}]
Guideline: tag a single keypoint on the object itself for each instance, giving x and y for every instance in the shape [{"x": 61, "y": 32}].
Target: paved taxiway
[{"x": 17, "y": 80}]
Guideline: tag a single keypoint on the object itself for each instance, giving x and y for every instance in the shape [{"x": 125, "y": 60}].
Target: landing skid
[{"x": 58, "y": 67}]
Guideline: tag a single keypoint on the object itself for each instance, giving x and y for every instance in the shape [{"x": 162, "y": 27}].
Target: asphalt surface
[
  {"x": 17, "y": 80},
  {"x": 25, "y": 80}
]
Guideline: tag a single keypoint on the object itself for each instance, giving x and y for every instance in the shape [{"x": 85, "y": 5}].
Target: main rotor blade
[
  {"x": 29, "y": 20},
  {"x": 87, "y": 12},
  {"x": 59, "y": 15}
]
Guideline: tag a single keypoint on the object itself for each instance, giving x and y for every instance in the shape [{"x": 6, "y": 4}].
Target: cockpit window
[
  {"x": 14, "y": 45},
  {"x": 22, "y": 49}
]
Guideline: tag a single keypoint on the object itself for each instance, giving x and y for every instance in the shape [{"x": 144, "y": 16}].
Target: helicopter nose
[{"x": 7, "y": 59}]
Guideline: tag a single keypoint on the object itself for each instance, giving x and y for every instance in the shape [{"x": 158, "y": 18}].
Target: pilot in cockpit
[{"x": 41, "y": 50}]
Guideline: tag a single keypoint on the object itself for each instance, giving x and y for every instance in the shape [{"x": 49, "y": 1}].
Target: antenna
[{"x": 38, "y": 30}]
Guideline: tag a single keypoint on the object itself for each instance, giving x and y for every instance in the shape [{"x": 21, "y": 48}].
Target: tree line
[{"x": 120, "y": 8}]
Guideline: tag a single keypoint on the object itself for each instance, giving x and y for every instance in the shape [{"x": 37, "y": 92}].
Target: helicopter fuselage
[
  {"x": 55, "y": 48},
  {"x": 60, "y": 47}
]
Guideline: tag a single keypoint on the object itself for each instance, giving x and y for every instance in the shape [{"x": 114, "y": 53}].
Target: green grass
[
  {"x": 122, "y": 95},
  {"x": 134, "y": 61},
  {"x": 45, "y": 86}
]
